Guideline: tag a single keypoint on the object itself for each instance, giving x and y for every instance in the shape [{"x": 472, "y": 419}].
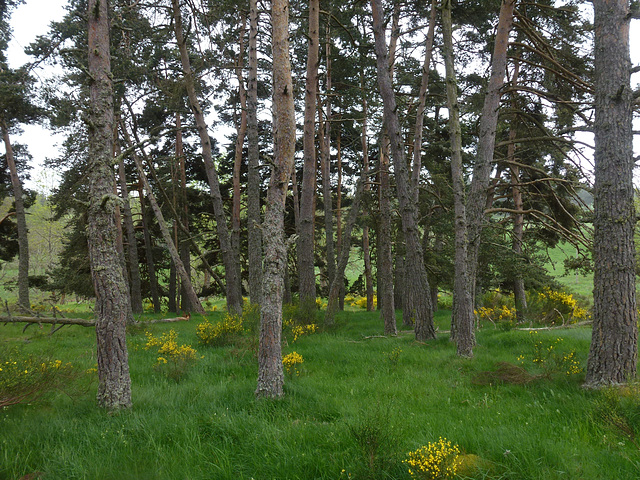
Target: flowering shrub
[
  {"x": 502, "y": 313},
  {"x": 437, "y": 460},
  {"x": 299, "y": 330},
  {"x": 291, "y": 362},
  {"x": 548, "y": 356},
  {"x": 361, "y": 301},
  {"x": 221, "y": 333},
  {"x": 321, "y": 304},
  {"x": 554, "y": 306},
  {"x": 26, "y": 379},
  {"x": 173, "y": 360}
]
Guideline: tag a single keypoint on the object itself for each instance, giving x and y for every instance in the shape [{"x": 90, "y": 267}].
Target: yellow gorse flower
[{"x": 436, "y": 460}]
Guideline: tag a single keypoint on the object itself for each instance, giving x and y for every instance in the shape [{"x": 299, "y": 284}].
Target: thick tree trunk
[
  {"x": 21, "y": 221},
  {"x": 477, "y": 199},
  {"x": 306, "y": 264},
  {"x": 113, "y": 305},
  {"x": 614, "y": 343},
  {"x": 417, "y": 284},
  {"x": 231, "y": 262},
  {"x": 270, "y": 372},
  {"x": 462, "y": 318},
  {"x": 333, "y": 301},
  {"x": 254, "y": 216}
]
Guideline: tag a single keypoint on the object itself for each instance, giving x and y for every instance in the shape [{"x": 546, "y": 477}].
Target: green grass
[
  {"x": 572, "y": 281},
  {"x": 356, "y": 409}
]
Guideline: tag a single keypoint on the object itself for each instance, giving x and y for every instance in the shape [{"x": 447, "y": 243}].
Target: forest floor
[{"x": 353, "y": 409}]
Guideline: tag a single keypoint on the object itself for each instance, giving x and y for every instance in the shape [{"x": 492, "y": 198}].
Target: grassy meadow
[{"x": 357, "y": 406}]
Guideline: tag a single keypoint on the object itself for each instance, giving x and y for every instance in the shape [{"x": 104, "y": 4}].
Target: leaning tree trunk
[
  {"x": 270, "y": 372},
  {"x": 613, "y": 354},
  {"x": 306, "y": 266},
  {"x": 231, "y": 262},
  {"x": 417, "y": 286},
  {"x": 21, "y": 220},
  {"x": 112, "y": 306},
  {"x": 462, "y": 317},
  {"x": 148, "y": 250},
  {"x": 254, "y": 220}
]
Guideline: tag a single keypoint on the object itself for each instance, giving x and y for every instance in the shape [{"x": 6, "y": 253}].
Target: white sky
[{"x": 33, "y": 18}]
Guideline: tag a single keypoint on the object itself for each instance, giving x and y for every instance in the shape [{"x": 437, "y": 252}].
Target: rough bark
[
  {"x": 306, "y": 267},
  {"x": 420, "y": 308},
  {"x": 182, "y": 214},
  {"x": 21, "y": 220},
  {"x": 231, "y": 262},
  {"x": 366, "y": 250},
  {"x": 462, "y": 316},
  {"x": 270, "y": 371},
  {"x": 477, "y": 198},
  {"x": 333, "y": 301},
  {"x": 254, "y": 220},
  {"x": 112, "y": 306},
  {"x": 614, "y": 351}
]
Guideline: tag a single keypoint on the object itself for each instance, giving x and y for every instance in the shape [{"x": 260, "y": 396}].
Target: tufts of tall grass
[{"x": 360, "y": 404}]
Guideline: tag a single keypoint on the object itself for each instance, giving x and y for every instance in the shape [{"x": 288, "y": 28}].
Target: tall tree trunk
[
  {"x": 462, "y": 318},
  {"x": 519, "y": 292},
  {"x": 241, "y": 131},
  {"x": 366, "y": 250},
  {"x": 231, "y": 262},
  {"x": 306, "y": 264},
  {"x": 182, "y": 211},
  {"x": 386, "y": 299},
  {"x": 325, "y": 155},
  {"x": 21, "y": 220},
  {"x": 343, "y": 258},
  {"x": 254, "y": 216},
  {"x": 422, "y": 102},
  {"x": 113, "y": 305},
  {"x": 270, "y": 372},
  {"x": 477, "y": 199},
  {"x": 417, "y": 284},
  {"x": 132, "y": 244},
  {"x": 148, "y": 248},
  {"x": 613, "y": 355}
]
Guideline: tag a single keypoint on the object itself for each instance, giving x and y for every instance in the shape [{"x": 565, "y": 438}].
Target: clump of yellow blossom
[
  {"x": 291, "y": 362},
  {"x": 436, "y": 460},
  {"x": 173, "y": 359}
]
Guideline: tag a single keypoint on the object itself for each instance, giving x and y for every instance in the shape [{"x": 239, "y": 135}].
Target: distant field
[{"x": 574, "y": 282}]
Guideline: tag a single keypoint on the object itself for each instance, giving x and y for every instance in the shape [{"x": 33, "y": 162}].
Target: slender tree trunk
[
  {"x": 339, "y": 239},
  {"x": 231, "y": 262},
  {"x": 613, "y": 355},
  {"x": 270, "y": 372},
  {"x": 325, "y": 154},
  {"x": 21, "y": 221},
  {"x": 132, "y": 244},
  {"x": 240, "y": 134},
  {"x": 417, "y": 284},
  {"x": 386, "y": 299},
  {"x": 477, "y": 198},
  {"x": 462, "y": 318},
  {"x": 306, "y": 266},
  {"x": 182, "y": 215},
  {"x": 519, "y": 292},
  {"x": 343, "y": 258},
  {"x": 422, "y": 101},
  {"x": 366, "y": 251},
  {"x": 254, "y": 216},
  {"x": 113, "y": 305},
  {"x": 148, "y": 248}
]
